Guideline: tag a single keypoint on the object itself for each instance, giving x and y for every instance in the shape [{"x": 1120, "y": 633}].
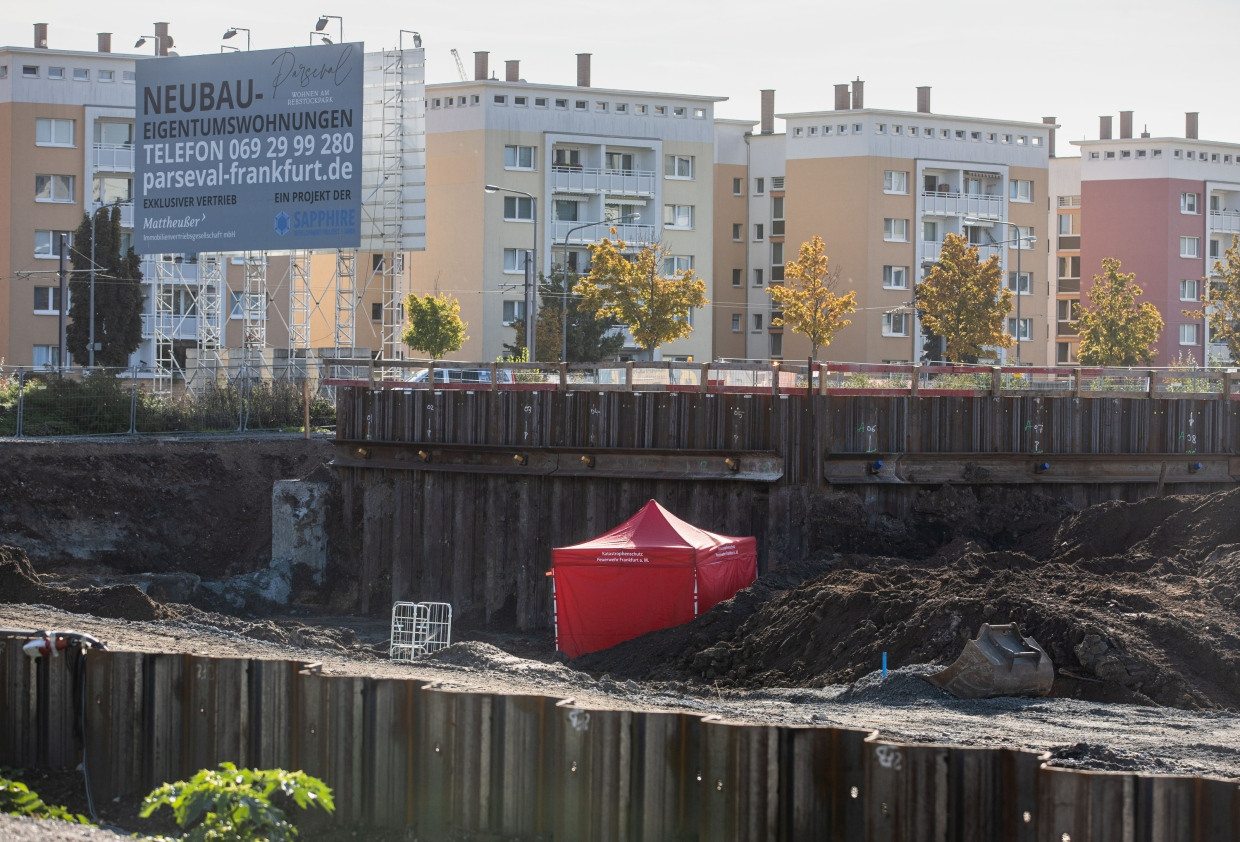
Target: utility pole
[{"x": 63, "y": 307}]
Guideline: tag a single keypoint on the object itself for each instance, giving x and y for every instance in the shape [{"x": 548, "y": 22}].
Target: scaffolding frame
[{"x": 254, "y": 314}]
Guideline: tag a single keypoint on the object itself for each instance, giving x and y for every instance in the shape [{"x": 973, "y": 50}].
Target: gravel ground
[{"x": 21, "y": 829}]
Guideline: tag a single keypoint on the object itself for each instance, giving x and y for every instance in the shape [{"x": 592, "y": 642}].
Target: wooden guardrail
[{"x": 404, "y": 753}]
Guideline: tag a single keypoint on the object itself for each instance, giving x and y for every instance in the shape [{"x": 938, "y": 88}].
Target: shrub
[{"x": 20, "y": 800}]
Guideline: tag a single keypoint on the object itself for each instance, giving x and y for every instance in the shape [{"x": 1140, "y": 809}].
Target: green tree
[
  {"x": 807, "y": 299},
  {"x": 1114, "y": 329},
  {"x": 118, "y": 293},
  {"x": 636, "y": 291},
  {"x": 435, "y": 325},
  {"x": 1222, "y": 301},
  {"x": 964, "y": 302},
  {"x": 591, "y": 337}
]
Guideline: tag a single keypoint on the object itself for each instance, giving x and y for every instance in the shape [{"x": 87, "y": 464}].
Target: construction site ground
[{"x": 1136, "y": 603}]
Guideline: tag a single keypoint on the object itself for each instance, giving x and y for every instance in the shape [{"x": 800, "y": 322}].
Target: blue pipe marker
[{"x": 884, "y": 665}]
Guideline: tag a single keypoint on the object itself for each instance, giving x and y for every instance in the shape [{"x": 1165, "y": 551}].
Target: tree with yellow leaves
[
  {"x": 435, "y": 326},
  {"x": 1222, "y": 301},
  {"x": 634, "y": 289},
  {"x": 963, "y": 301},
  {"x": 1114, "y": 329},
  {"x": 806, "y": 300}
]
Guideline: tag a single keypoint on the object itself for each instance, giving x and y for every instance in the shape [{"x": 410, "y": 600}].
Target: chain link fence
[{"x": 84, "y": 402}]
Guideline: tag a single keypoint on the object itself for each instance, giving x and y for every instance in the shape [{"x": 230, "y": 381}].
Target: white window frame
[
  {"x": 1020, "y": 237},
  {"x": 674, "y": 264},
  {"x": 1190, "y": 247},
  {"x": 513, "y": 311},
  {"x": 1188, "y": 334},
  {"x": 757, "y": 322},
  {"x": 895, "y": 324},
  {"x": 738, "y": 187},
  {"x": 51, "y": 131},
  {"x": 47, "y": 243},
  {"x": 1188, "y": 289},
  {"x": 759, "y": 186},
  {"x": 1020, "y": 190},
  {"x": 738, "y": 277},
  {"x": 514, "y": 261},
  {"x": 1025, "y": 326},
  {"x": 895, "y": 181},
  {"x": 895, "y": 277},
  {"x": 513, "y": 155},
  {"x": 895, "y": 230},
  {"x": 236, "y": 307},
  {"x": 54, "y": 195},
  {"x": 46, "y": 356},
  {"x": 1188, "y": 203},
  {"x": 737, "y": 325},
  {"x": 513, "y": 207},
  {"x": 759, "y": 232},
  {"x": 44, "y": 303},
  {"x": 1072, "y": 222},
  {"x": 678, "y": 167},
  {"x": 759, "y": 278},
  {"x": 738, "y": 232},
  {"x": 679, "y": 217},
  {"x": 1025, "y": 282}
]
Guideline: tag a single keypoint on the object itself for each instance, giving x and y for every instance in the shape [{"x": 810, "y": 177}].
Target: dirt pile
[
  {"x": 1134, "y": 602},
  {"x": 20, "y": 584}
]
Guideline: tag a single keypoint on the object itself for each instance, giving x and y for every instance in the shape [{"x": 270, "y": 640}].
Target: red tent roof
[{"x": 654, "y": 527}]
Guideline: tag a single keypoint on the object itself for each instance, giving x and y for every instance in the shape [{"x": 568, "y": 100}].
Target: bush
[{"x": 18, "y": 799}]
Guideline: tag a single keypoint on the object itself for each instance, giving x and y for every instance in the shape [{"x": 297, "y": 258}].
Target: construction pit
[{"x": 1135, "y": 604}]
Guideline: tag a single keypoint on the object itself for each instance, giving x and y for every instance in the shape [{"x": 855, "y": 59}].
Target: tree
[
  {"x": 435, "y": 325},
  {"x": 1222, "y": 301},
  {"x": 964, "y": 302},
  {"x": 1114, "y": 329},
  {"x": 591, "y": 337},
  {"x": 118, "y": 293},
  {"x": 807, "y": 297},
  {"x": 636, "y": 291}
]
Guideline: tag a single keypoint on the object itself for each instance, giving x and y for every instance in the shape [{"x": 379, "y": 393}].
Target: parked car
[{"x": 462, "y": 375}]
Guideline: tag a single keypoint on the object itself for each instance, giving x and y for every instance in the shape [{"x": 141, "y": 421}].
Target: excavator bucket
[{"x": 1000, "y": 661}]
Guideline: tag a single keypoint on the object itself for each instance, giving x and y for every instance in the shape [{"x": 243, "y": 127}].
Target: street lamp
[
  {"x": 322, "y": 24},
  {"x": 1020, "y": 241},
  {"x": 162, "y": 42},
  {"x": 564, "y": 298},
  {"x": 531, "y": 268},
  {"x": 233, "y": 30}
]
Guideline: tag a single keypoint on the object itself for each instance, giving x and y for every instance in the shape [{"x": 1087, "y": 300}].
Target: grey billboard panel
[{"x": 250, "y": 151}]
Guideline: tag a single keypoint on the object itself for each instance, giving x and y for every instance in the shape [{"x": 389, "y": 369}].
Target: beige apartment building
[
  {"x": 571, "y": 163},
  {"x": 883, "y": 188}
]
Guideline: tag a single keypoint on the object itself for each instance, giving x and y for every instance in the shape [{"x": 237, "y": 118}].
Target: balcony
[
  {"x": 1069, "y": 285},
  {"x": 126, "y": 211},
  {"x": 962, "y": 204},
  {"x": 1069, "y": 242},
  {"x": 177, "y": 326},
  {"x": 1065, "y": 329},
  {"x": 1226, "y": 222},
  {"x": 612, "y": 182},
  {"x": 930, "y": 251},
  {"x": 110, "y": 157},
  {"x": 629, "y": 232}
]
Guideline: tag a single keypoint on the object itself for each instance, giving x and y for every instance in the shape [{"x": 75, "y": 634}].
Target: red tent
[{"x": 650, "y": 572}]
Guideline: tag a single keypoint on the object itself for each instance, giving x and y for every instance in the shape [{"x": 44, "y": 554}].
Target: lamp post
[
  {"x": 564, "y": 297},
  {"x": 531, "y": 268},
  {"x": 233, "y": 30},
  {"x": 1020, "y": 241},
  {"x": 162, "y": 42},
  {"x": 321, "y": 24}
]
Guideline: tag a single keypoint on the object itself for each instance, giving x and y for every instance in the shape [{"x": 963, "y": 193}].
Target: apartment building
[
  {"x": 571, "y": 163},
  {"x": 1064, "y": 264},
  {"x": 883, "y": 188},
  {"x": 1167, "y": 207}
]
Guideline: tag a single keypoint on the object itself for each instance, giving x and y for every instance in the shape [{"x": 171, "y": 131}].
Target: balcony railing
[
  {"x": 112, "y": 157},
  {"x": 1065, "y": 329},
  {"x": 183, "y": 326},
  {"x": 126, "y": 211},
  {"x": 930, "y": 251},
  {"x": 594, "y": 180},
  {"x": 1069, "y": 285},
  {"x": 1225, "y": 221},
  {"x": 629, "y": 232},
  {"x": 962, "y": 204}
]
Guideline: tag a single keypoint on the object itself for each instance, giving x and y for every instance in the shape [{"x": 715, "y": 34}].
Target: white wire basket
[{"x": 419, "y": 628}]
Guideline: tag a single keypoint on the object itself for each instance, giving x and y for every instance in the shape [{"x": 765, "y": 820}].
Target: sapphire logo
[{"x": 282, "y": 223}]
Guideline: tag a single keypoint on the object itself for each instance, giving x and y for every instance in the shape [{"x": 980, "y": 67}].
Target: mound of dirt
[
  {"x": 1133, "y": 602},
  {"x": 20, "y": 584}
]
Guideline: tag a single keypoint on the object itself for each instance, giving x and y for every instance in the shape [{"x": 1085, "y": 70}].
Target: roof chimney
[
  {"x": 480, "y": 65},
  {"x": 768, "y": 111},
  {"x": 1104, "y": 127},
  {"x": 1125, "y": 125},
  {"x": 512, "y": 71},
  {"x": 40, "y": 36},
  {"x": 105, "y": 42},
  {"x": 1050, "y": 144},
  {"x": 1190, "y": 125},
  {"x": 923, "y": 99},
  {"x": 583, "y": 70},
  {"x": 1145, "y": 133},
  {"x": 163, "y": 41},
  {"x": 841, "y": 97},
  {"x": 858, "y": 97}
]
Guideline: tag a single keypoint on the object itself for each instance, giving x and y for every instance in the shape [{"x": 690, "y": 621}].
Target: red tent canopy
[{"x": 650, "y": 572}]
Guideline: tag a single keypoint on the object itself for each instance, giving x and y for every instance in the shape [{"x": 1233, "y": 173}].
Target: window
[
  {"x": 777, "y": 261},
  {"x": 113, "y": 133},
  {"x": 46, "y": 300},
  {"x": 48, "y": 356},
  {"x": 1190, "y": 247},
  {"x": 641, "y": 109},
  {"x": 675, "y": 264},
  {"x": 107, "y": 76},
  {"x": 738, "y": 187},
  {"x": 1025, "y": 285},
  {"x": 1188, "y": 334},
  {"x": 620, "y": 162},
  {"x": 128, "y": 76},
  {"x": 109, "y": 189},
  {"x": 566, "y": 210},
  {"x": 540, "y": 102},
  {"x": 738, "y": 231},
  {"x": 1021, "y": 235},
  {"x": 601, "y": 107},
  {"x": 1068, "y": 309},
  {"x": 678, "y": 216},
  {"x": 513, "y": 311},
  {"x": 622, "y": 108},
  {"x": 895, "y": 181},
  {"x": 757, "y": 277},
  {"x": 895, "y": 230},
  {"x": 736, "y": 322},
  {"x": 895, "y": 277},
  {"x": 4, "y": 71},
  {"x": 1069, "y": 267},
  {"x": 565, "y": 157},
  {"x": 518, "y": 208},
  {"x": 53, "y": 188},
  {"x": 895, "y": 324},
  {"x": 759, "y": 185},
  {"x": 777, "y": 345},
  {"x": 500, "y": 99},
  {"x": 1021, "y": 332},
  {"x": 518, "y": 157},
  {"x": 678, "y": 111},
  {"x": 56, "y": 73},
  {"x": 758, "y": 231},
  {"x": 1020, "y": 191},
  {"x": 929, "y": 231},
  {"x": 81, "y": 74},
  {"x": 1216, "y": 250},
  {"x": 47, "y": 243},
  {"x": 376, "y": 311},
  {"x": 736, "y": 277},
  {"x": 1069, "y": 224},
  {"x": 30, "y": 71},
  {"x": 514, "y": 260},
  {"x": 1188, "y": 290},
  {"x": 678, "y": 166},
  {"x": 757, "y": 322},
  {"x": 238, "y": 302},
  {"x": 1188, "y": 203}
]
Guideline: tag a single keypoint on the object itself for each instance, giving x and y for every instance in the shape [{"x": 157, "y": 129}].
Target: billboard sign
[{"x": 249, "y": 151}]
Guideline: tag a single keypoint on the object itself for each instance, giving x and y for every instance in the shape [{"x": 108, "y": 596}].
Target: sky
[{"x": 1070, "y": 59}]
